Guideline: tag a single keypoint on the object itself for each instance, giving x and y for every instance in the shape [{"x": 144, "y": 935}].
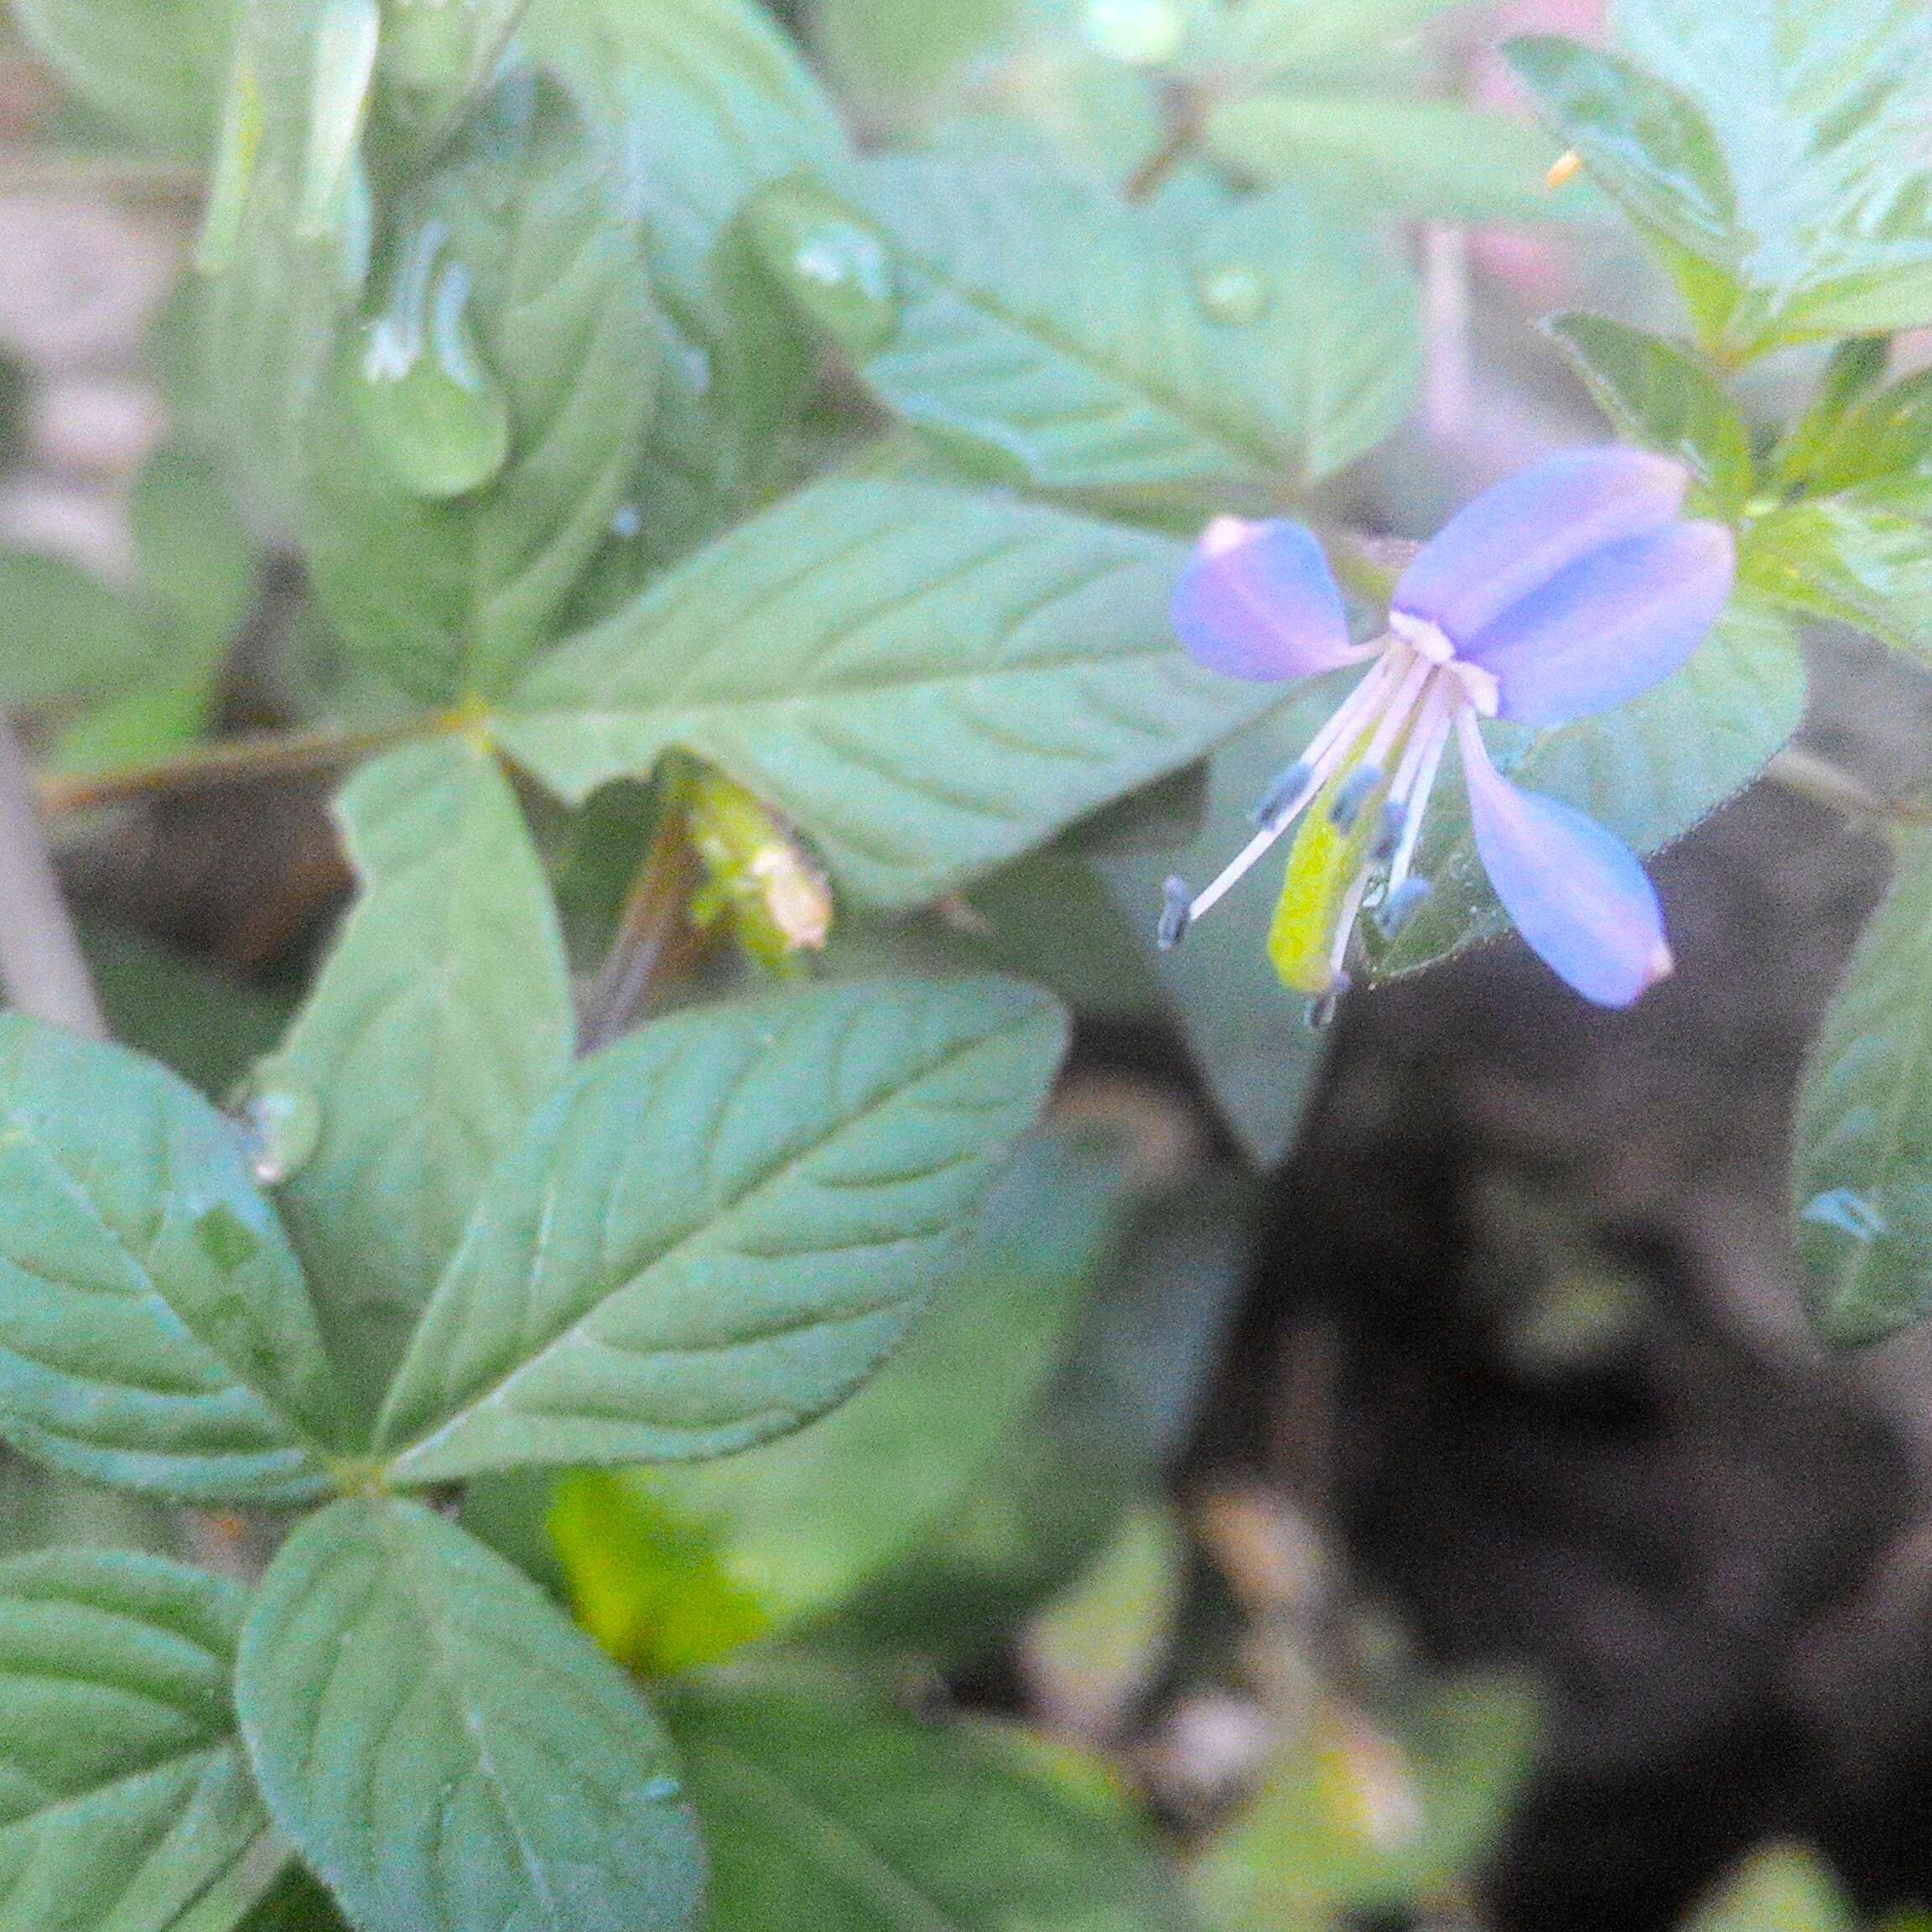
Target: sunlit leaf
[
  {"x": 153, "y": 1329},
  {"x": 926, "y": 681},
  {"x": 719, "y": 1226},
  {"x": 125, "y": 1800},
  {"x": 435, "y": 1027},
  {"x": 1032, "y": 323},
  {"x": 447, "y": 585},
  {"x": 444, "y": 1749}
]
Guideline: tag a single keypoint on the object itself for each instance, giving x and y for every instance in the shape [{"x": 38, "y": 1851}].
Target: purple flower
[{"x": 1564, "y": 590}]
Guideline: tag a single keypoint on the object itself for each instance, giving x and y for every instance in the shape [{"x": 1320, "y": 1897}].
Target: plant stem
[
  {"x": 254, "y": 760},
  {"x": 1183, "y": 131},
  {"x": 654, "y": 916},
  {"x": 41, "y": 964}
]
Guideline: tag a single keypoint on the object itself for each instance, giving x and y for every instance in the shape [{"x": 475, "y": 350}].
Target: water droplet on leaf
[
  {"x": 430, "y": 407},
  {"x": 661, "y": 1789},
  {"x": 1236, "y": 293},
  {"x": 285, "y": 1126},
  {"x": 839, "y": 271}
]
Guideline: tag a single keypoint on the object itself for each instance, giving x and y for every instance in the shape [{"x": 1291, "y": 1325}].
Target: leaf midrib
[{"x": 769, "y": 1178}]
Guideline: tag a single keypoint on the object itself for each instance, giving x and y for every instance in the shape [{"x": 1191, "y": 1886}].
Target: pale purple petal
[
  {"x": 1512, "y": 539},
  {"x": 1610, "y": 625},
  {"x": 1257, "y": 600},
  {"x": 1580, "y": 899}
]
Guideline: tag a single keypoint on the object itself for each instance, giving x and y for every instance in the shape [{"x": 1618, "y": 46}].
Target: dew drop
[
  {"x": 1236, "y": 293},
  {"x": 430, "y": 407},
  {"x": 284, "y": 1129},
  {"x": 837, "y": 269},
  {"x": 661, "y": 1789},
  {"x": 627, "y": 520},
  {"x": 1141, "y": 33}
]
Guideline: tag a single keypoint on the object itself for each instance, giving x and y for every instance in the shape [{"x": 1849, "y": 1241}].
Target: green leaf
[
  {"x": 1851, "y": 560},
  {"x": 719, "y": 1226},
  {"x": 1118, "y": 1405},
  {"x": 1247, "y": 1035},
  {"x": 797, "y": 1525},
  {"x": 277, "y": 282},
  {"x": 124, "y": 1796},
  {"x": 440, "y": 1022},
  {"x": 63, "y": 631},
  {"x": 154, "y": 1329},
  {"x": 1873, "y": 440},
  {"x": 1028, "y": 319},
  {"x": 704, "y": 102},
  {"x": 154, "y": 67},
  {"x": 1645, "y": 143},
  {"x": 1853, "y": 369},
  {"x": 1779, "y": 1888},
  {"x": 1659, "y": 393},
  {"x": 1360, "y": 1821},
  {"x": 199, "y": 566},
  {"x": 444, "y": 1749},
  {"x": 207, "y": 1025},
  {"x": 1863, "y": 1182},
  {"x": 894, "y": 56},
  {"x": 928, "y": 681},
  {"x": 1818, "y": 108},
  {"x": 1771, "y": 146},
  {"x": 447, "y": 585},
  {"x": 1648, "y": 771},
  {"x": 824, "y": 1807},
  {"x": 1438, "y": 160}
]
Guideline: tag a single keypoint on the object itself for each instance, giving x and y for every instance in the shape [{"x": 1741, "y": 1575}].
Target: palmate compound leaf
[
  {"x": 927, "y": 680},
  {"x": 437, "y": 1024},
  {"x": 1037, "y": 327},
  {"x": 155, "y": 1331},
  {"x": 823, "y": 1807},
  {"x": 444, "y": 585},
  {"x": 444, "y": 1749},
  {"x": 1863, "y": 1182},
  {"x": 125, "y": 1800},
  {"x": 718, "y": 1227}
]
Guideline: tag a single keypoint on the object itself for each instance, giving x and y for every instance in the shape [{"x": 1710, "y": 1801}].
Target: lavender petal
[
  {"x": 1610, "y": 625},
  {"x": 1580, "y": 899},
  {"x": 1514, "y": 538},
  {"x": 1257, "y": 600}
]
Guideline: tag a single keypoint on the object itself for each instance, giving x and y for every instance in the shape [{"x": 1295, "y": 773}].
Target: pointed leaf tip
[{"x": 1515, "y": 538}]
